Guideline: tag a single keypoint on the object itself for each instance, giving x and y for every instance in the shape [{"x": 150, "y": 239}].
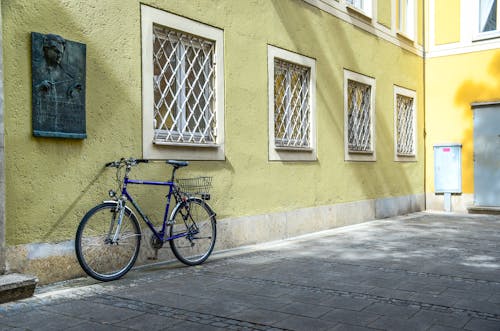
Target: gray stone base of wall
[
  {"x": 277, "y": 226},
  {"x": 52, "y": 262},
  {"x": 459, "y": 202}
]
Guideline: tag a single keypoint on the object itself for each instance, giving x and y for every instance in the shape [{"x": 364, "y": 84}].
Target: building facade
[
  {"x": 462, "y": 80},
  {"x": 309, "y": 114}
]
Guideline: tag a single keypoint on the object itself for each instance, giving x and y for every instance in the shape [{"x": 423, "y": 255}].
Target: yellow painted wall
[
  {"x": 50, "y": 183},
  {"x": 447, "y": 21},
  {"x": 384, "y": 13},
  {"x": 452, "y": 84},
  {"x": 420, "y": 21}
]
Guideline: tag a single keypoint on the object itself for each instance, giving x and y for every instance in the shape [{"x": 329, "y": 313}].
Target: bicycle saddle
[{"x": 177, "y": 164}]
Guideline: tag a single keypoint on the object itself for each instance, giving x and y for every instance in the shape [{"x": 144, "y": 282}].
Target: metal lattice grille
[
  {"x": 184, "y": 92},
  {"x": 405, "y": 125},
  {"x": 291, "y": 105},
  {"x": 359, "y": 117}
]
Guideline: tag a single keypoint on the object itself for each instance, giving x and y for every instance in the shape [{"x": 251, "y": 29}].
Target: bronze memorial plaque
[{"x": 58, "y": 77}]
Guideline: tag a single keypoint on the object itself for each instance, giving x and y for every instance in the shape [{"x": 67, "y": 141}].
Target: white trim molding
[
  {"x": 369, "y": 154},
  {"x": 470, "y": 40},
  {"x": 303, "y": 153},
  {"x": 188, "y": 151},
  {"x": 401, "y": 91}
]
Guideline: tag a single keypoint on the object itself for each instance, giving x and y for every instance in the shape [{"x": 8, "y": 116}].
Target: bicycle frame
[
  {"x": 110, "y": 231},
  {"x": 159, "y": 234}
]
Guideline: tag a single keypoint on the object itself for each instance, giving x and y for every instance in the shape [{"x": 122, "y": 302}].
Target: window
[
  {"x": 292, "y": 133},
  {"x": 182, "y": 87},
  {"x": 359, "y": 119},
  {"x": 487, "y": 19},
  {"x": 404, "y": 124},
  {"x": 365, "y": 6},
  {"x": 406, "y": 18}
]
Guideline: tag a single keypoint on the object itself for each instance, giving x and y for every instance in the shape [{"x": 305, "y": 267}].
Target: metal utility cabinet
[{"x": 448, "y": 171}]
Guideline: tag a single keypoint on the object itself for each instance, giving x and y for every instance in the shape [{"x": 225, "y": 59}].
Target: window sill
[
  {"x": 294, "y": 149},
  {"x": 486, "y": 36},
  {"x": 360, "y": 152},
  {"x": 361, "y": 156},
  {"x": 166, "y": 143},
  {"x": 183, "y": 152},
  {"x": 405, "y": 37},
  {"x": 359, "y": 13},
  {"x": 405, "y": 158},
  {"x": 292, "y": 154}
]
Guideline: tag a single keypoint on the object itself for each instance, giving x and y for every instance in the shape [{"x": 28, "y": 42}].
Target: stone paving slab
[{"x": 419, "y": 272}]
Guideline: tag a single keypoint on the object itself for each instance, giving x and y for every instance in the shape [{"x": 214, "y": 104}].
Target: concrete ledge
[
  {"x": 16, "y": 286},
  {"x": 484, "y": 210}
]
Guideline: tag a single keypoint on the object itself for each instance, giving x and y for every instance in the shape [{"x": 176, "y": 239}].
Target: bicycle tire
[
  {"x": 195, "y": 222},
  {"x": 99, "y": 258}
]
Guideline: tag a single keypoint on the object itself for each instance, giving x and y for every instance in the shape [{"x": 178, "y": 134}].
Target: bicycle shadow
[{"x": 73, "y": 205}]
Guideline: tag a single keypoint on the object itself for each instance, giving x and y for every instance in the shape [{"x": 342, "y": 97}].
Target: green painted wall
[{"x": 50, "y": 183}]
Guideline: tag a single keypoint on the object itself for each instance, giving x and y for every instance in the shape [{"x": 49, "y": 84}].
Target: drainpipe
[{"x": 2, "y": 159}]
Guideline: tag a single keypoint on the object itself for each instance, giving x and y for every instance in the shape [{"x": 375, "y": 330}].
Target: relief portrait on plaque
[{"x": 58, "y": 86}]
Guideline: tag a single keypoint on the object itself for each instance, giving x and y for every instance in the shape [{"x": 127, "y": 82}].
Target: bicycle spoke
[
  {"x": 194, "y": 221},
  {"x": 98, "y": 255}
]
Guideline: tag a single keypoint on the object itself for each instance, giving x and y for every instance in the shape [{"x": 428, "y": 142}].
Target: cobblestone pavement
[{"x": 419, "y": 272}]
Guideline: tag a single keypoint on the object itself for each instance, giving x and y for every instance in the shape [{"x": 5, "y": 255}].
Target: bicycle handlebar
[{"x": 128, "y": 162}]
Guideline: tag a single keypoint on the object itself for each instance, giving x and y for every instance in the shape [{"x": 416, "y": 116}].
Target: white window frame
[
  {"x": 278, "y": 153},
  {"x": 156, "y": 150},
  {"x": 354, "y": 155},
  {"x": 409, "y": 94},
  {"x": 407, "y": 19},
  {"x": 364, "y": 7},
  {"x": 477, "y": 34}
]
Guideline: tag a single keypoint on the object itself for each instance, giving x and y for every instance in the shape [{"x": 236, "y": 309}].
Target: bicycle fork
[{"x": 121, "y": 211}]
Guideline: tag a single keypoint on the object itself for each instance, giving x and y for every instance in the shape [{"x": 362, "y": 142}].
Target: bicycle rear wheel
[
  {"x": 99, "y": 255},
  {"x": 195, "y": 229}
]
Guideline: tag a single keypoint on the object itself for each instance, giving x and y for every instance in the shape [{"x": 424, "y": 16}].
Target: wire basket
[{"x": 195, "y": 185}]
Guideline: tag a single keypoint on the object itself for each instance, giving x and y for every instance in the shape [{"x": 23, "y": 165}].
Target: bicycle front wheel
[
  {"x": 105, "y": 249},
  {"x": 194, "y": 232}
]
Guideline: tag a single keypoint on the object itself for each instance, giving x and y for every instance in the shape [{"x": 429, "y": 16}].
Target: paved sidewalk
[{"x": 420, "y": 272}]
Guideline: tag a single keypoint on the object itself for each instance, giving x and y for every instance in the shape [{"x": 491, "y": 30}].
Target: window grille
[
  {"x": 291, "y": 105},
  {"x": 184, "y": 87},
  {"x": 405, "y": 125},
  {"x": 359, "y": 117}
]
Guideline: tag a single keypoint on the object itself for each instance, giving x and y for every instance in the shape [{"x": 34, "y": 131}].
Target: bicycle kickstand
[{"x": 155, "y": 257}]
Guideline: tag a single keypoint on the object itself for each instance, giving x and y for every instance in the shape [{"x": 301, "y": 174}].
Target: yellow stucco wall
[
  {"x": 447, "y": 21},
  {"x": 452, "y": 84},
  {"x": 50, "y": 183},
  {"x": 420, "y": 21},
  {"x": 384, "y": 13}
]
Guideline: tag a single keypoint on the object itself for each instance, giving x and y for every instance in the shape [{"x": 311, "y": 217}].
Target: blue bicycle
[{"x": 109, "y": 236}]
